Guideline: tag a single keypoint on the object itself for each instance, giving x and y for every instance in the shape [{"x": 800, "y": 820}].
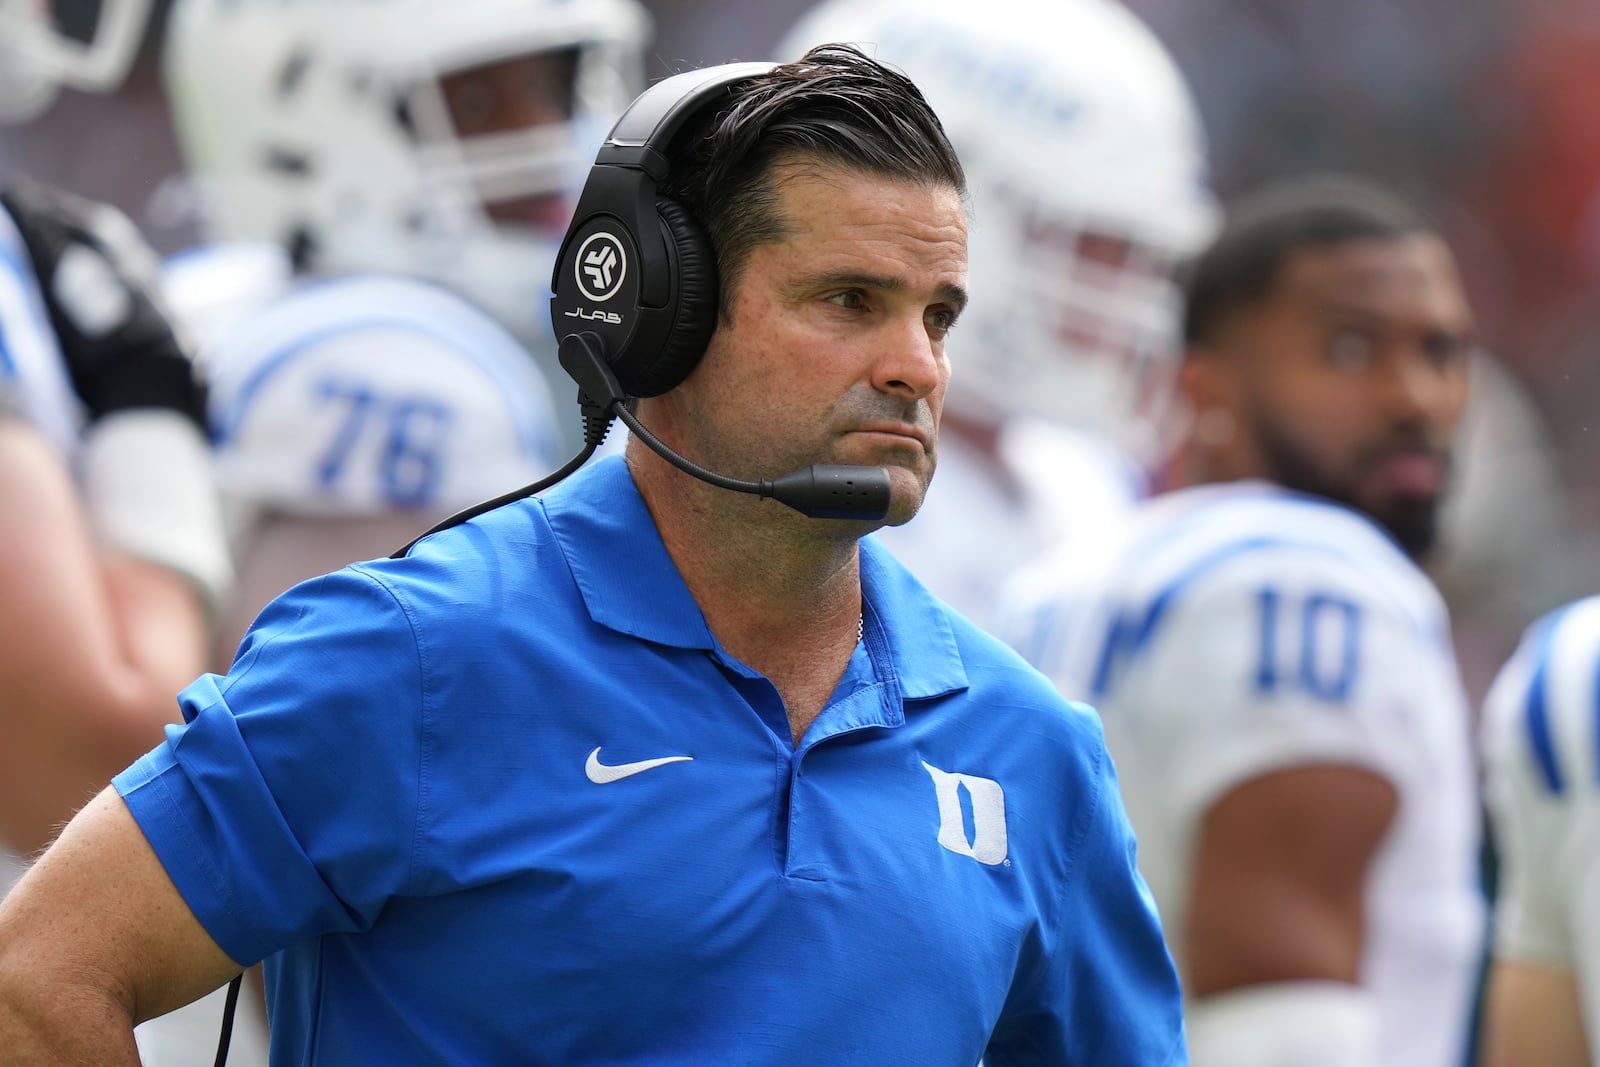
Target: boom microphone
[{"x": 821, "y": 491}]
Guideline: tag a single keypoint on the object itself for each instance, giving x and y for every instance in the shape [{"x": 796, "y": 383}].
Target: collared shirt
[{"x": 507, "y": 800}]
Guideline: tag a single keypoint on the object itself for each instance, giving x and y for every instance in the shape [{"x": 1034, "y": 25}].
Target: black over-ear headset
[
  {"x": 636, "y": 291},
  {"x": 634, "y": 269}
]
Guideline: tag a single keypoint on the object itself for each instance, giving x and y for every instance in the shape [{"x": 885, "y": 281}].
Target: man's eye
[
  {"x": 943, "y": 320},
  {"x": 1351, "y": 350},
  {"x": 1445, "y": 350},
  {"x": 850, "y": 299}
]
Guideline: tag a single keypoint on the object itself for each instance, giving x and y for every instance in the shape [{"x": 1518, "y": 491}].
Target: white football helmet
[
  {"x": 324, "y": 125},
  {"x": 1086, "y": 163},
  {"x": 43, "y": 49}
]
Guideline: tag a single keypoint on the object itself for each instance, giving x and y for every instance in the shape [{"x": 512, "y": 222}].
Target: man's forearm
[{"x": 46, "y": 1025}]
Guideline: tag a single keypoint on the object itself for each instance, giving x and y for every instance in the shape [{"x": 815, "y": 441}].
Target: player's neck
[{"x": 1199, "y": 462}]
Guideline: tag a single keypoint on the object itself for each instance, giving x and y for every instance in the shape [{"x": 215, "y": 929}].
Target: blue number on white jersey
[
  {"x": 410, "y": 432},
  {"x": 1310, "y": 642}
]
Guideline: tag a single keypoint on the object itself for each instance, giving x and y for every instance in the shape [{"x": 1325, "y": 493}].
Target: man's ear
[
  {"x": 1207, "y": 387},
  {"x": 1200, "y": 378}
]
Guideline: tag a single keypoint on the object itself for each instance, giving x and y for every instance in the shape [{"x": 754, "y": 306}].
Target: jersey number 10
[{"x": 1310, "y": 642}]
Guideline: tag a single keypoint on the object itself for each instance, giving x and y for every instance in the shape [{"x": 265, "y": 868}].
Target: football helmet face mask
[
  {"x": 1086, "y": 164},
  {"x": 439, "y": 140},
  {"x": 43, "y": 49}
]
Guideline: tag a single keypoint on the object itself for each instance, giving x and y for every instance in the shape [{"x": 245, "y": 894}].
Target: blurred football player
[
  {"x": 1274, "y": 671},
  {"x": 93, "y": 661},
  {"x": 104, "y": 602},
  {"x": 384, "y": 185},
  {"x": 1542, "y": 770},
  {"x": 439, "y": 141},
  {"x": 1088, "y": 182}
]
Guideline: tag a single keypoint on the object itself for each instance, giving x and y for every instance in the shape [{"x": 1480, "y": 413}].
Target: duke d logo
[{"x": 987, "y": 803}]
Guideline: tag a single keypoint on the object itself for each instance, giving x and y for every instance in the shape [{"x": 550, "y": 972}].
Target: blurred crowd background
[{"x": 1486, "y": 113}]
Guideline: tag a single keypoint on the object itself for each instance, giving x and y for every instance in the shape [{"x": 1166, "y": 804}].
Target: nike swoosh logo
[{"x": 600, "y": 774}]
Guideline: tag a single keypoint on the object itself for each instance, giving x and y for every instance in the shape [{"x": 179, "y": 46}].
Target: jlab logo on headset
[
  {"x": 609, "y": 317},
  {"x": 600, "y": 266}
]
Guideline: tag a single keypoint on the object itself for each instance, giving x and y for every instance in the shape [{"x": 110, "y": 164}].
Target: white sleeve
[
  {"x": 1539, "y": 739},
  {"x": 1306, "y": 1022},
  {"x": 1280, "y": 658}
]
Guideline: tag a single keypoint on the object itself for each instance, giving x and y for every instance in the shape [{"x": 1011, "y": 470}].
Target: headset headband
[{"x": 641, "y": 136}]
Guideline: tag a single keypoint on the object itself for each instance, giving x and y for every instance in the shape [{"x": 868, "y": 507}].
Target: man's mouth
[
  {"x": 902, "y": 433},
  {"x": 1411, "y": 472}
]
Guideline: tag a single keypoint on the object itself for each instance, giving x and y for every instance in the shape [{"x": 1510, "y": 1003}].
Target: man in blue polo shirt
[{"x": 639, "y": 770}]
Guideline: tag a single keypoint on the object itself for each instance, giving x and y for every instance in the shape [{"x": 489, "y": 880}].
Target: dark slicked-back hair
[
  {"x": 1263, "y": 229},
  {"x": 833, "y": 107}
]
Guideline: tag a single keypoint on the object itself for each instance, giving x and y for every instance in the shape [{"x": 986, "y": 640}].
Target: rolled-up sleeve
[{"x": 285, "y": 806}]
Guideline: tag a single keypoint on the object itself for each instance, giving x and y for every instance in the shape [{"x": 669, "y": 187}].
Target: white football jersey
[
  {"x": 368, "y": 395},
  {"x": 1237, "y": 630},
  {"x": 30, "y": 358},
  {"x": 980, "y": 522},
  {"x": 1541, "y": 742}
]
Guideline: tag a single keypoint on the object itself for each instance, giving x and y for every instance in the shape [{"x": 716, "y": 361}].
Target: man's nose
[
  {"x": 1422, "y": 390},
  {"x": 911, "y": 362}
]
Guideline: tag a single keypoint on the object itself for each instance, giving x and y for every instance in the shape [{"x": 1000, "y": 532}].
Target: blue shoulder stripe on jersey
[
  {"x": 1536, "y": 711},
  {"x": 1130, "y": 636},
  {"x": 224, "y": 429},
  {"x": 1280, "y": 496}
]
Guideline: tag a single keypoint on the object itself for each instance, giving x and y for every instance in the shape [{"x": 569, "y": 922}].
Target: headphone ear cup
[{"x": 694, "y": 303}]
